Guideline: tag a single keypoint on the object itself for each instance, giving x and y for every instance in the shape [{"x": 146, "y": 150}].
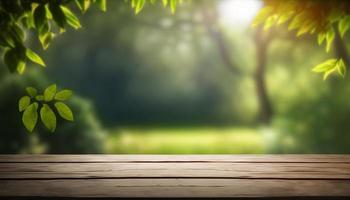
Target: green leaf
[
  {"x": 341, "y": 68},
  {"x": 325, "y": 66},
  {"x": 48, "y": 117},
  {"x": 297, "y": 21},
  {"x": 83, "y": 5},
  {"x": 18, "y": 33},
  {"x": 270, "y": 21},
  {"x": 44, "y": 29},
  {"x": 11, "y": 60},
  {"x": 284, "y": 17},
  {"x": 173, "y": 6},
  {"x": 48, "y": 12},
  {"x": 39, "y": 97},
  {"x": 63, "y": 95},
  {"x": 57, "y": 14},
  {"x": 64, "y": 111},
  {"x": 329, "y": 38},
  {"x": 39, "y": 17},
  {"x": 6, "y": 39},
  {"x": 50, "y": 92},
  {"x": 23, "y": 103},
  {"x": 165, "y": 3},
  {"x": 330, "y": 66},
  {"x": 263, "y": 14},
  {"x": 30, "y": 116},
  {"x": 344, "y": 25},
  {"x": 102, "y": 4},
  {"x": 306, "y": 27},
  {"x": 72, "y": 20},
  {"x": 31, "y": 91},
  {"x": 139, "y": 6},
  {"x": 21, "y": 67},
  {"x": 34, "y": 57},
  {"x": 46, "y": 39},
  {"x": 320, "y": 38},
  {"x": 327, "y": 73}
]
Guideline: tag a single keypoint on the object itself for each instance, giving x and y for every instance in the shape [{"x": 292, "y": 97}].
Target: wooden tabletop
[{"x": 178, "y": 176}]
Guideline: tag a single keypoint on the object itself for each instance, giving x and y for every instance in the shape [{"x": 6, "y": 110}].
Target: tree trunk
[
  {"x": 210, "y": 20},
  {"x": 265, "y": 107},
  {"x": 340, "y": 49}
]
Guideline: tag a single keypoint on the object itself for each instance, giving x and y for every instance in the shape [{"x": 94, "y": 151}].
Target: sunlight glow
[{"x": 239, "y": 12}]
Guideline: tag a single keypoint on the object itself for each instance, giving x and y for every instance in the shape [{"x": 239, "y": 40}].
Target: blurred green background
[{"x": 199, "y": 81}]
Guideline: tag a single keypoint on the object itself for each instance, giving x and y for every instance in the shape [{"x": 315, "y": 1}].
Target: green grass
[{"x": 185, "y": 141}]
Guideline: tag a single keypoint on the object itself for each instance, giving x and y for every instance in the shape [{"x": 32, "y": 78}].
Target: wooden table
[{"x": 177, "y": 176}]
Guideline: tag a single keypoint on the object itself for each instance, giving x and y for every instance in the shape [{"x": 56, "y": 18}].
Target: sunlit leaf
[
  {"x": 139, "y": 6},
  {"x": 327, "y": 73},
  {"x": 344, "y": 25},
  {"x": 272, "y": 20},
  {"x": 50, "y": 92},
  {"x": 39, "y": 97},
  {"x": 306, "y": 27},
  {"x": 329, "y": 38},
  {"x": 46, "y": 39},
  {"x": 320, "y": 38},
  {"x": 165, "y": 2},
  {"x": 83, "y": 5},
  {"x": 34, "y": 57},
  {"x": 263, "y": 14},
  {"x": 21, "y": 67},
  {"x": 325, "y": 66},
  {"x": 63, "y": 95},
  {"x": 102, "y": 4},
  {"x": 64, "y": 111},
  {"x": 23, "y": 103},
  {"x": 30, "y": 116},
  {"x": 72, "y": 20},
  {"x": 285, "y": 17},
  {"x": 341, "y": 68},
  {"x": 48, "y": 117},
  {"x": 31, "y": 91},
  {"x": 297, "y": 21},
  {"x": 173, "y": 4}
]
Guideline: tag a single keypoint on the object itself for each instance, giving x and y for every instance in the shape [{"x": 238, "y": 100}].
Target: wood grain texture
[
  {"x": 175, "y": 170},
  {"x": 188, "y": 176},
  {"x": 318, "y": 158}
]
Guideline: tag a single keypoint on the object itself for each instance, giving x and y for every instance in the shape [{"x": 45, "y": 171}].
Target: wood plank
[
  {"x": 178, "y": 176},
  {"x": 175, "y": 188},
  {"x": 175, "y": 170},
  {"x": 176, "y": 158}
]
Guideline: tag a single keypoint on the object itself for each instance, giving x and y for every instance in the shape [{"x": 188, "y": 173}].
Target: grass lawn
[{"x": 185, "y": 141}]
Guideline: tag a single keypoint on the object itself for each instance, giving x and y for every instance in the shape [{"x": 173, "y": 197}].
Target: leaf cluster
[
  {"x": 330, "y": 66},
  {"x": 138, "y": 5},
  {"x": 18, "y": 16},
  {"x": 321, "y": 18},
  {"x": 34, "y": 105}
]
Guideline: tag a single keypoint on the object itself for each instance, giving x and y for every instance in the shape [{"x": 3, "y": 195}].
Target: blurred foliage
[
  {"x": 132, "y": 79},
  {"x": 138, "y": 5},
  {"x": 159, "y": 85},
  {"x": 83, "y": 136},
  {"x": 16, "y": 17},
  {"x": 323, "y": 18}
]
